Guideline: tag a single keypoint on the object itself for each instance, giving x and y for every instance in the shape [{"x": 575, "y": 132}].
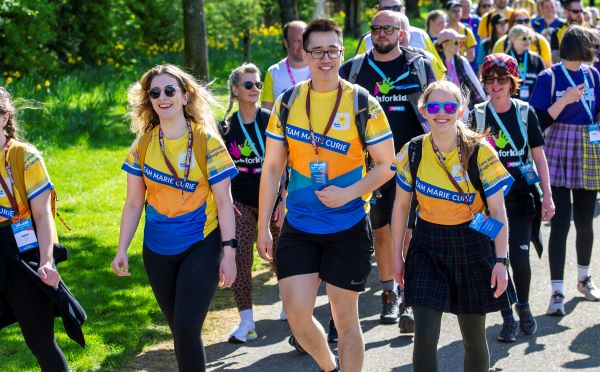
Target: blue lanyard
[
  {"x": 388, "y": 80},
  {"x": 506, "y": 132},
  {"x": 258, "y": 135},
  {"x": 522, "y": 73},
  {"x": 587, "y": 107}
]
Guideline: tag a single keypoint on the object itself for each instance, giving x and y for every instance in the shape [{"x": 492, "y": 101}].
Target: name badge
[
  {"x": 319, "y": 174},
  {"x": 594, "y": 131},
  {"x": 524, "y": 93},
  {"x": 486, "y": 225},
  {"x": 24, "y": 235},
  {"x": 529, "y": 174}
]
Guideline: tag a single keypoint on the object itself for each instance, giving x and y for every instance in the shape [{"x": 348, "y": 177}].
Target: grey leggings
[{"x": 427, "y": 333}]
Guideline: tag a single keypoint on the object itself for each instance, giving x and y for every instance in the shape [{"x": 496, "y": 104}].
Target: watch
[
  {"x": 503, "y": 260},
  {"x": 230, "y": 243}
]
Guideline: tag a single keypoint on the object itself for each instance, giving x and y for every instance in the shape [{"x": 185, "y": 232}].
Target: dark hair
[
  {"x": 514, "y": 81},
  {"x": 579, "y": 44},
  {"x": 320, "y": 25},
  {"x": 567, "y": 3}
]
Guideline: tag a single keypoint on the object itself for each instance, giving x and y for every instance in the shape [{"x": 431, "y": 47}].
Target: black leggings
[
  {"x": 584, "y": 204},
  {"x": 427, "y": 332},
  {"x": 184, "y": 286},
  {"x": 519, "y": 231}
]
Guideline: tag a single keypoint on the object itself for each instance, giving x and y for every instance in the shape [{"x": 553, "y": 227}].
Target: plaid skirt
[
  {"x": 573, "y": 161},
  {"x": 449, "y": 268}
]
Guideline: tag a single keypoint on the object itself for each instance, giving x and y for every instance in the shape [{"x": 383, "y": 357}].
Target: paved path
[{"x": 568, "y": 343}]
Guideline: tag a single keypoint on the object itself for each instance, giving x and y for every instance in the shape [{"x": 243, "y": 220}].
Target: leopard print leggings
[{"x": 245, "y": 230}]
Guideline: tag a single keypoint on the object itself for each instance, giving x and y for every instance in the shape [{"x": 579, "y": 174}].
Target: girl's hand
[
  {"x": 227, "y": 268},
  {"x": 120, "y": 264},
  {"x": 499, "y": 279},
  {"x": 48, "y": 274}
]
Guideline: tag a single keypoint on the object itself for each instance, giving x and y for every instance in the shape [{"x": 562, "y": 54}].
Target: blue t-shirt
[
  {"x": 541, "y": 27},
  {"x": 472, "y": 22},
  {"x": 575, "y": 113}
]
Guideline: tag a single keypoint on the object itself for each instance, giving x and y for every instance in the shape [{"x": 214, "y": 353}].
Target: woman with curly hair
[{"x": 180, "y": 169}]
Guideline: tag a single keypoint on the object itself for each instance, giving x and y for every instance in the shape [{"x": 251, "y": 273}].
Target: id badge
[
  {"x": 594, "y": 131},
  {"x": 524, "y": 93},
  {"x": 319, "y": 174},
  {"x": 24, "y": 235},
  {"x": 486, "y": 225},
  {"x": 529, "y": 174}
]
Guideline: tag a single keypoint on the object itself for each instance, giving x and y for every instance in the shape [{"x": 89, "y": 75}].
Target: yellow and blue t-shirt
[
  {"x": 172, "y": 225},
  {"x": 36, "y": 182},
  {"x": 439, "y": 201},
  {"x": 341, "y": 149}
]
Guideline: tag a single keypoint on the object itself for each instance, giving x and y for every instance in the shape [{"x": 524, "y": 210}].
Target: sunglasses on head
[
  {"x": 522, "y": 21},
  {"x": 576, "y": 11},
  {"x": 248, "y": 85},
  {"x": 502, "y": 79},
  {"x": 170, "y": 90},
  {"x": 387, "y": 29},
  {"x": 435, "y": 107}
]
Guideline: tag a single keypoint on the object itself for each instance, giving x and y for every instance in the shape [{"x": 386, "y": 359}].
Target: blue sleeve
[
  {"x": 541, "y": 97},
  {"x": 596, "y": 89}
]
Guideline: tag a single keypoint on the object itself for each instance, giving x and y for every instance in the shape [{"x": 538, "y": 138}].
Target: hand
[
  {"x": 398, "y": 271},
  {"x": 120, "y": 264},
  {"x": 548, "y": 208},
  {"x": 500, "y": 140},
  {"x": 227, "y": 268},
  {"x": 264, "y": 244},
  {"x": 234, "y": 150},
  {"x": 247, "y": 149},
  {"x": 333, "y": 196},
  {"x": 499, "y": 279},
  {"x": 573, "y": 94},
  {"x": 48, "y": 274}
]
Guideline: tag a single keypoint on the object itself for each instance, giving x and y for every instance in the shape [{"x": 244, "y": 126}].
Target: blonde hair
[
  {"x": 7, "y": 106},
  {"x": 468, "y": 138},
  {"x": 198, "y": 109},
  {"x": 517, "y": 30},
  {"x": 234, "y": 80}
]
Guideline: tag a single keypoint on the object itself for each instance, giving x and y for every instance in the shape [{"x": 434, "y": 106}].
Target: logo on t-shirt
[
  {"x": 181, "y": 162},
  {"x": 341, "y": 121},
  {"x": 499, "y": 140}
]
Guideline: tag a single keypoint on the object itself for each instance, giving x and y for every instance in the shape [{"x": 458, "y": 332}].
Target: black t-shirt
[
  {"x": 398, "y": 110},
  {"x": 535, "y": 65},
  {"x": 244, "y": 187}
]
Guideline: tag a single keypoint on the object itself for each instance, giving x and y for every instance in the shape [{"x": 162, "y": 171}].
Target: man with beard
[
  {"x": 485, "y": 27},
  {"x": 573, "y": 16},
  {"x": 390, "y": 72},
  {"x": 290, "y": 70}
]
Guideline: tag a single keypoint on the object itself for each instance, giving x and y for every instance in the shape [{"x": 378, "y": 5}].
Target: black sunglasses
[
  {"x": 248, "y": 85},
  {"x": 576, "y": 11},
  {"x": 455, "y": 42},
  {"x": 387, "y": 29},
  {"x": 154, "y": 93},
  {"x": 489, "y": 80},
  {"x": 393, "y": 8},
  {"x": 523, "y": 21}
]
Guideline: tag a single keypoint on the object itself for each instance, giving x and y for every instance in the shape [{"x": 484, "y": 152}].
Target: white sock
[
  {"x": 247, "y": 317},
  {"x": 558, "y": 286},
  {"x": 582, "y": 272}
]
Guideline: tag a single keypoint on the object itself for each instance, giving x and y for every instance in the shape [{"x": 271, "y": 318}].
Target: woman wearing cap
[
  {"x": 458, "y": 68},
  {"x": 530, "y": 63},
  {"x": 451, "y": 265},
  {"x": 435, "y": 22},
  {"x": 499, "y": 25},
  {"x": 515, "y": 133},
  {"x": 566, "y": 100}
]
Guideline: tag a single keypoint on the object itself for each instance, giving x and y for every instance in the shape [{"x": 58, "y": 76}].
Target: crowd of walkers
[{"x": 440, "y": 150}]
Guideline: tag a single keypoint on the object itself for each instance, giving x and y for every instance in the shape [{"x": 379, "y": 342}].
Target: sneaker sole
[
  {"x": 505, "y": 341},
  {"x": 407, "y": 325},
  {"x": 388, "y": 320},
  {"x": 588, "y": 297},
  {"x": 235, "y": 340},
  {"x": 556, "y": 313}
]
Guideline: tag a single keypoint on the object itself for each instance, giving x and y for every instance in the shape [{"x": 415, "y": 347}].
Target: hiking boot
[
  {"x": 587, "y": 287},
  {"x": 244, "y": 332},
  {"x": 557, "y": 304},
  {"x": 292, "y": 341},
  {"x": 508, "y": 333},
  {"x": 527, "y": 322},
  {"x": 407, "y": 320},
  {"x": 389, "y": 312},
  {"x": 332, "y": 335}
]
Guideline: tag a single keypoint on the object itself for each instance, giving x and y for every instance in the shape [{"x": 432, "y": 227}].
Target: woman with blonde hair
[
  {"x": 244, "y": 136},
  {"x": 460, "y": 242},
  {"x": 179, "y": 167},
  {"x": 530, "y": 63}
]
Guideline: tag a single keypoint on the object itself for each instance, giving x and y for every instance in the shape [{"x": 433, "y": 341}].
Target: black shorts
[
  {"x": 342, "y": 259},
  {"x": 381, "y": 208}
]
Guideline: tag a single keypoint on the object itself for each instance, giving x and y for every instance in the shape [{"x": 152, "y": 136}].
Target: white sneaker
[
  {"x": 557, "y": 304},
  {"x": 244, "y": 332},
  {"x": 587, "y": 287},
  {"x": 282, "y": 315}
]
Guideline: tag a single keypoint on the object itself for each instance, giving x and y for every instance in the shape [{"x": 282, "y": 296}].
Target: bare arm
[
  {"x": 572, "y": 94},
  {"x": 539, "y": 157},
  {"x": 42, "y": 216},
  {"x": 498, "y": 212},
  {"x": 400, "y": 214},
  {"x": 222, "y": 194}
]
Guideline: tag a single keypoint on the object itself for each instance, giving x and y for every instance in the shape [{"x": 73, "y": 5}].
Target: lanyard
[
  {"x": 388, "y": 80},
  {"x": 523, "y": 72},
  {"x": 188, "y": 159},
  {"x": 507, "y": 133},
  {"x": 443, "y": 164},
  {"x": 289, "y": 71},
  {"x": 258, "y": 135},
  {"x": 314, "y": 142},
  {"x": 7, "y": 190},
  {"x": 587, "y": 107}
]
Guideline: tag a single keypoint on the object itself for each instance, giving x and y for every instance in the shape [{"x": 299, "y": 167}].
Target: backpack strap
[
  {"x": 287, "y": 100},
  {"x": 357, "y": 63},
  {"x": 415, "y": 152},
  {"x": 479, "y": 115},
  {"x": 16, "y": 161},
  {"x": 142, "y": 147},
  {"x": 360, "y": 41},
  {"x": 419, "y": 65},
  {"x": 552, "y": 83},
  {"x": 361, "y": 111},
  {"x": 473, "y": 173}
]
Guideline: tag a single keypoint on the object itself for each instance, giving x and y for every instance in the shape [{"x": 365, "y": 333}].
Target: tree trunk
[
  {"x": 352, "y": 21},
  {"x": 289, "y": 10},
  {"x": 194, "y": 33},
  {"x": 246, "y": 45},
  {"x": 412, "y": 9}
]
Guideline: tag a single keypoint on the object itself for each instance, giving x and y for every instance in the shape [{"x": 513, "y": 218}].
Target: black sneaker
[
  {"x": 508, "y": 333},
  {"x": 527, "y": 322},
  {"x": 292, "y": 341},
  {"x": 389, "y": 312},
  {"x": 332, "y": 335},
  {"x": 407, "y": 320}
]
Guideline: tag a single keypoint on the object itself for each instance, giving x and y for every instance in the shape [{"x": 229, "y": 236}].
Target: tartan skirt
[
  {"x": 573, "y": 161},
  {"x": 449, "y": 268}
]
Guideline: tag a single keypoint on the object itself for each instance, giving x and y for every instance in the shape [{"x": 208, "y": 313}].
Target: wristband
[
  {"x": 503, "y": 260},
  {"x": 233, "y": 243}
]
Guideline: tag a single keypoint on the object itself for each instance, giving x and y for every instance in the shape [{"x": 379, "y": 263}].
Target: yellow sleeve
[
  {"x": 545, "y": 52},
  {"x": 274, "y": 129},
  {"x": 218, "y": 161},
  {"x": 402, "y": 168},
  {"x": 131, "y": 164},
  {"x": 494, "y": 176},
  {"x": 482, "y": 30},
  {"x": 267, "y": 92},
  {"x": 378, "y": 127},
  {"x": 438, "y": 67},
  {"x": 471, "y": 42},
  {"x": 36, "y": 175},
  {"x": 499, "y": 46}
]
